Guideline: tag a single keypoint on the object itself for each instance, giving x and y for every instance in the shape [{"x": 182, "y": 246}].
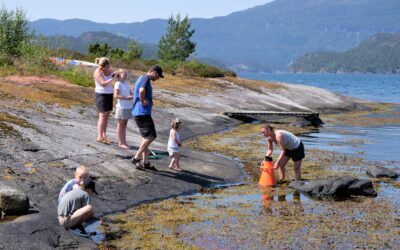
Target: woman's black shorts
[
  {"x": 296, "y": 154},
  {"x": 104, "y": 102},
  {"x": 146, "y": 126}
]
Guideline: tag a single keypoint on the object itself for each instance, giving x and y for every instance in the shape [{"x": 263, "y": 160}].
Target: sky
[{"x": 127, "y": 11}]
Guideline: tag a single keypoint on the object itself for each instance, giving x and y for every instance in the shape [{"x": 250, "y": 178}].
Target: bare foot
[
  {"x": 177, "y": 169},
  {"x": 124, "y": 146}
]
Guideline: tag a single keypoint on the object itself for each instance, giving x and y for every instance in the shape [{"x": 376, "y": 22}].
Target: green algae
[{"x": 247, "y": 217}]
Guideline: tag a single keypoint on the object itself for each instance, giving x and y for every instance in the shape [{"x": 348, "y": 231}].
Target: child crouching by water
[
  {"x": 81, "y": 173},
  {"x": 123, "y": 94},
  {"x": 174, "y": 143}
]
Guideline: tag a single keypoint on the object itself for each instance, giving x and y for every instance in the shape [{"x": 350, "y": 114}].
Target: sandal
[
  {"x": 136, "y": 162},
  {"x": 102, "y": 140}
]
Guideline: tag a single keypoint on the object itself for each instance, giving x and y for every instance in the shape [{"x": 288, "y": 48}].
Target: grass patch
[
  {"x": 46, "y": 92},
  {"x": 77, "y": 75},
  {"x": 6, "y": 119}
]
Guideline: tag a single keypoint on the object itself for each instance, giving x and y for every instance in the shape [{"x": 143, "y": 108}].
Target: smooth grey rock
[
  {"x": 338, "y": 187},
  {"x": 379, "y": 172},
  {"x": 13, "y": 201}
]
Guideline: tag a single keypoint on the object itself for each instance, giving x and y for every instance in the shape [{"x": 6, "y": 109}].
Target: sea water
[{"x": 372, "y": 87}]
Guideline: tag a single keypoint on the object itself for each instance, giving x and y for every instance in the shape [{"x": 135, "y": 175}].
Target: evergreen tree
[
  {"x": 175, "y": 45},
  {"x": 116, "y": 53},
  {"x": 134, "y": 51},
  {"x": 14, "y": 32},
  {"x": 99, "y": 50}
]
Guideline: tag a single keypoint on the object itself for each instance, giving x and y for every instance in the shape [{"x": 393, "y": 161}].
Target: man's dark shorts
[
  {"x": 146, "y": 126},
  {"x": 296, "y": 154}
]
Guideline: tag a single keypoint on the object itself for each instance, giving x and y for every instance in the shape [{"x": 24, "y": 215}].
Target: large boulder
[
  {"x": 13, "y": 201},
  {"x": 379, "y": 172},
  {"x": 336, "y": 187}
]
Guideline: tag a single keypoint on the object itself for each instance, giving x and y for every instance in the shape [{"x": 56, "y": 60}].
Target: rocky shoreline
[{"x": 50, "y": 140}]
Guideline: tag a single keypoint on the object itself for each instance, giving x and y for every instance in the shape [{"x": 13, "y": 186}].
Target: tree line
[
  {"x": 18, "y": 44},
  {"x": 175, "y": 45}
]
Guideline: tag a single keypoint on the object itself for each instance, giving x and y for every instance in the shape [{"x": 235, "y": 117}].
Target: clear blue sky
[{"x": 127, "y": 11}]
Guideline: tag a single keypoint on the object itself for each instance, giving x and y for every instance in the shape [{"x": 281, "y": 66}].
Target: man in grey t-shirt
[{"x": 74, "y": 208}]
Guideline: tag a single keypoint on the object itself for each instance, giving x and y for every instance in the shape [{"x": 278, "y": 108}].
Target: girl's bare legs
[
  {"x": 121, "y": 133},
  {"x": 172, "y": 163},
  {"x": 176, "y": 158}
]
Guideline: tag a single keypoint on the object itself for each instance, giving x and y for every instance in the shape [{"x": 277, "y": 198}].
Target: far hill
[
  {"x": 379, "y": 54},
  {"x": 263, "y": 38},
  {"x": 82, "y": 42}
]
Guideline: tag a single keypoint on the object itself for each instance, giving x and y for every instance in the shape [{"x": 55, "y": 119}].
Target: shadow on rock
[{"x": 191, "y": 177}]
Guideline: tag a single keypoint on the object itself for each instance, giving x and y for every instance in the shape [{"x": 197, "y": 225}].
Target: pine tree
[
  {"x": 175, "y": 45},
  {"x": 14, "y": 32},
  {"x": 134, "y": 51}
]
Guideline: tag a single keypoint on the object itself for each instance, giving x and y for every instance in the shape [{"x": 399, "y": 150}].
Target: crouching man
[{"x": 74, "y": 208}]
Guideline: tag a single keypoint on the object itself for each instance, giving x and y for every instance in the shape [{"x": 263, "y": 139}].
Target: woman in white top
[
  {"x": 291, "y": 148},
  {"x": 174, "y": 143},
  {"x": 103, "y": 77},
  {"x": 123, "y": 110}
]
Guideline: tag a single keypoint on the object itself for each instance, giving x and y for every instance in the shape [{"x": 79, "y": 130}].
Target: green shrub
[
  {"x": 195, "y": 68},
  {"x": 14, "y": 32},
  {"x": 76, "y": 76}
]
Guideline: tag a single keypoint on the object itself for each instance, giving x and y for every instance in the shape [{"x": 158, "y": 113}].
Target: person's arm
[
  {"x": 176, "y": 139},
  {"x": 98, "y": 76},
  {"x": 142, "y": 96},
  {"x": 117, "y": 93},
  {"x": 279, "y": 140},
  {"x": 270, "y": 148}
]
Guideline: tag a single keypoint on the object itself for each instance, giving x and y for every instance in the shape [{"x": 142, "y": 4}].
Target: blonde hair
[
  {"x": 176, "y": 123},
  {"x": 268, "y": 126},
  {"x": 81, "y": 169},
  {"x": 120, "y": 72},
  {"x": 102, "y": 61}
]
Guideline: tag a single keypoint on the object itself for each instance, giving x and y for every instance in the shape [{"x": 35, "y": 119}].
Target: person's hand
[
  {"x": 276, "y": 165},
  {"x": 129, "y": 98},
  {"x": 145, "y": 102}
]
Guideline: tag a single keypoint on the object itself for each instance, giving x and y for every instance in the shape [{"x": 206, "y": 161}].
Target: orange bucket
[{"x": 267, "y": 174}]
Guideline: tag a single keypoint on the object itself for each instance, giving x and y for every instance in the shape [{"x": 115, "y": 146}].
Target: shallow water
[{"x": 247, "y": 217}]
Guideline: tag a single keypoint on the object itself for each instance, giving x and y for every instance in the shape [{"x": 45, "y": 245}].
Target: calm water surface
[{"x": 372, "y": 87}]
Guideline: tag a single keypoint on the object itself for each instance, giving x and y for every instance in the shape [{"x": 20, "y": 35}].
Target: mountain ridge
[
  {"x": 379, "y": 54},
  {"x": 266, "y": 37}
]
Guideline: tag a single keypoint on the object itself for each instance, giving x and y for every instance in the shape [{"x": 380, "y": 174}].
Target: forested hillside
[
  {"x": 379, "y": 54},
  {"x": 263, "y": 38}
]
